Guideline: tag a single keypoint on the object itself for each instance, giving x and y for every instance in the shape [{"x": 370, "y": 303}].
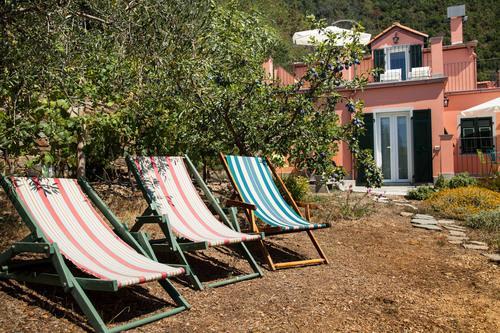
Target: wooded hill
[{"x": 429, "y": 16}]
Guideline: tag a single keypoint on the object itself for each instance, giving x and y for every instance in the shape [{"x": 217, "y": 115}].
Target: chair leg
[
  {"x": 191, "y": 275},
  {"x": 288, "y": 264},
  {"x": 267, "y": 256},
  {"x": 251, "y": 260},
  {"x": 317, "y": 247},
  {"x": 173, "y": 293},
  {"x": 88, "y": 308}
]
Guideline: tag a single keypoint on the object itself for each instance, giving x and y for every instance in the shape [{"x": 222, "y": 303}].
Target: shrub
[
  {"x": 460, "y": 203},
  {"x": 491, "y": 183},
  {"x": 421, "y": 193},
  {"x": 348, "y": 205},
  {"x": 440, "y": 183},
  {"x": 298, "y": 186},
  {"x": 489, "y": 220},
  {"x": 461, "y": 180}
]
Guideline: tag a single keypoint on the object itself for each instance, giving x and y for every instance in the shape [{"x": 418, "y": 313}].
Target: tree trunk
[{"x": 80, "y": 156}]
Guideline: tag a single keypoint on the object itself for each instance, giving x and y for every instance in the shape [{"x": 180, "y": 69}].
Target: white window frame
[{"x": 394, "y": 49}]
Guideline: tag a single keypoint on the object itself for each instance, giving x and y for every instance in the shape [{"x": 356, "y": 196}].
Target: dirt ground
[{"x": 383, "y": 276}]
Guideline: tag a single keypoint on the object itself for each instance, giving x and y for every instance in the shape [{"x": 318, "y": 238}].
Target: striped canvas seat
[
  {"x": 170, "y": 188},
  {"x": 66, "y": 217},
  {"x": 255, "y": 184}
]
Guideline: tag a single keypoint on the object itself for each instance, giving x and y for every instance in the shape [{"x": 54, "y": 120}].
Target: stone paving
[{"x": 456, "y": 234}]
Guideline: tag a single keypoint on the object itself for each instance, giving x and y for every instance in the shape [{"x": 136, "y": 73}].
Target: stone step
[
  {"x": 426, "y": 226},
  {"x": 478, "y": 243},
  {"x": 495, "y": 257},
  {"x": 456, "y": 238},
  {"x": 457, "y": 233},
  {"x": 454, "y": 227},
  {"x": 446, "y": 222},
  {"x": 475, "y": 247},
  {"x": 424, "y": 216},
  {"x": 424, "y": 221}
]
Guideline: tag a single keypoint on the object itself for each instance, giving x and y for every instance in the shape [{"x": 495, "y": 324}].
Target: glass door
[
  {"x": 397, "y": 60},
  {"x": 393, "y": 146}
]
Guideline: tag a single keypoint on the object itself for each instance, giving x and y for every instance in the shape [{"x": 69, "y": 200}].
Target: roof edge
[{"x": 397, "y": 25}]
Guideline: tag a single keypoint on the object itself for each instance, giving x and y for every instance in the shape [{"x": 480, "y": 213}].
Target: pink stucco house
[{"x": 413, "y": 109}]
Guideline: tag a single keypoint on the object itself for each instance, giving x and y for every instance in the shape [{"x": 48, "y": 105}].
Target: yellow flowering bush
[{"x": 460, "y": 203}]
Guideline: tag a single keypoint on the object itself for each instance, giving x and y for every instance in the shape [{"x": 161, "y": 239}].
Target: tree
[
  {"x": 234, "y": 106},
  {"x": 157, "y": 77}
]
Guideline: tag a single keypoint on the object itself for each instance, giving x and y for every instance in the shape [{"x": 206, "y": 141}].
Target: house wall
[
  {"x": 400, "y": 98},
  {"x": 458, "y": 102},
  {"x": 405, "y": 38},
  {"x": 460, "y": 68}
]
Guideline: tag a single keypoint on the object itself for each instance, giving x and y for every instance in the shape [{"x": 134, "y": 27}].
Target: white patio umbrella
[
  {"x": 304, "y": 37},
  {"x": 486, "y": 109}
]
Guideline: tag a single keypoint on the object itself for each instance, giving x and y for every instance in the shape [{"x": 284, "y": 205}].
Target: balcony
[
  {"x": 477, "y": 156},
  {"x": 461, "y": 76},
  {"x": 397, "y": 63}
]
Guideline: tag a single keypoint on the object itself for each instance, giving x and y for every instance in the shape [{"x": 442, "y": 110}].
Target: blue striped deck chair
[{"x": 260, "y": 198}]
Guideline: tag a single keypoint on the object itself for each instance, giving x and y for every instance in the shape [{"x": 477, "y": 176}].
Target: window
[
  {"x": 398, "y": 59},
  {"x": 392, "y": 59},
  {"x": 476, "y": 134}
]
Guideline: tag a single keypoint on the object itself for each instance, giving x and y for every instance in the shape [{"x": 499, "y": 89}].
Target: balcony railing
[
  {"x": 488, "y": 73},
  {"x": 461, "y": 75},
  {"x": 403, "y": 59},
  {"x": 479, "y": 156},
  {"x": 470, "y": 75}
]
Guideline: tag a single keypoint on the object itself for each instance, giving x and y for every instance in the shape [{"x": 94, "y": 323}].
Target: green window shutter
[
  {"x": 422, "y": 146},
  {"x": 378, "y": 62},
  {"x": 366, "y": 142},
  {"x": 415, "y": 56}
]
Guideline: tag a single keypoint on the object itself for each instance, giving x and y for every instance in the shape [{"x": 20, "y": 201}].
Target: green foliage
[
  {"x": 354, "y": 206},
  {"x": 298, "y": 186},
  {"x": 421, "y": 193},
  {"x": 373, "y": 174},
  {"x": 440, "y": 183},
  {"x": 164, "y": 77},
  {"x": 492, "y": 182},
  {"x": 376, "y": 15},
  {"x": 461, "y": 180},
  {"x": 489, "y": 220}
]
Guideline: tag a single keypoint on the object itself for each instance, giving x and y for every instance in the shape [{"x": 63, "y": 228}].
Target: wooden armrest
[
  {"x": 307, "y": 204},
  {"x": 236, "y": 203}
]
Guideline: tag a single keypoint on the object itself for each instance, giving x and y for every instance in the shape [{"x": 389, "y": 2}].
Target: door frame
[{"x": 407, "y": 111}]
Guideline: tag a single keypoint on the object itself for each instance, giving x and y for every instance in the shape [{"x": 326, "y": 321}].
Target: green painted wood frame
[
  {"x": 270, "y": 231},
  {"x": 172, "y": 243},
  {"x": 36, "y": 242}
]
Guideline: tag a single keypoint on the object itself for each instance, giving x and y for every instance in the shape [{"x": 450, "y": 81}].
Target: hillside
[{"x": 429, "y": 16}]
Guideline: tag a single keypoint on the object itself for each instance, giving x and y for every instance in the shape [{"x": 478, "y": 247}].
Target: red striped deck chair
[
  {"x": 255, "y": 181},
  {"x": 185, "y": 219},
  {"x": 67, "y": 228}
]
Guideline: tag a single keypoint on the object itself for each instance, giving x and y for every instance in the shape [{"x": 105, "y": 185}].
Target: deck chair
[
  {"x": 187, "y": 223},
  {"x": 252, "y": 178},
  {"x": 67, "y": 229}
]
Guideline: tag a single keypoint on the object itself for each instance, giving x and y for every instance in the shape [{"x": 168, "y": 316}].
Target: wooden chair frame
[
  {"x": 249, "y": 209},
  {"x": 172, "y": 243},
  {"x": 36, "y": 242}
]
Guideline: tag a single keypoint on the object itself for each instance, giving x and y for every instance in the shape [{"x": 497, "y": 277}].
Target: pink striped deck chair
[
  {"x": 187, "y": 222},
  {"x": 69, "y": 230}
]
